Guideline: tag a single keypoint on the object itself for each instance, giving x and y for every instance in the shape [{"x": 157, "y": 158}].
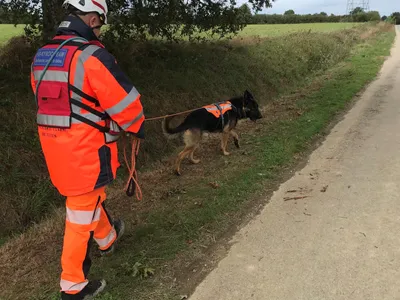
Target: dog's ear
[{"x": 248, "y": 95}]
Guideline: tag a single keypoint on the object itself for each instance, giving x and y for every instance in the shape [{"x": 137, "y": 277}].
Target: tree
[
  {"x": 245, "y": 13},
  {"x": 137, "y": 19},
  {"x": 323, "y": 14},
  {"x": 384, "y": 18},
  {"x": 289, "y": 12},
  {"x": 395, "y": 17},
  {"x": 357, "y": 10},
  {"x": 373, "y": 16}
]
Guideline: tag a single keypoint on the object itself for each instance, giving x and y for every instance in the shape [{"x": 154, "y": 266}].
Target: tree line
[
  {"x": 139, "y": 19},
  {"x": 290, "y": 17},
  {"x": 171, "y": 19}
]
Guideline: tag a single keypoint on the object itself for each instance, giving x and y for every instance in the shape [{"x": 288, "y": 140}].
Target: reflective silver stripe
[
  {"x": 126, "y": 126},
  {"x": 114, "y": 129},
  {"x": 114, "y": 133},
  {"x": 107, "y": 241},
  {"x": 80, "y": 73},
  {"x": 60, "y": 76},
  {"x": 60, "y": 121},
  {"x": 111, "y": 137},
  {"x": 216, "y": 108},
  {"x": 124, "y": 103},
  {"x": 69, "y": 286},
  {"x": 83, "y": 217},
  {"x": 88, "y": 116}
]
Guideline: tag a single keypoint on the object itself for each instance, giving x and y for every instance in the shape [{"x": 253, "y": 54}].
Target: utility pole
[{"x": 352, "y": 4}]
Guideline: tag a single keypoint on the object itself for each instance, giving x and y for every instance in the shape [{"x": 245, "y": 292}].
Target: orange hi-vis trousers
[{"x": 86, "y": 218}]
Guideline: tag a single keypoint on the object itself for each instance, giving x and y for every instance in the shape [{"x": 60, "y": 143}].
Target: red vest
[{"x": 59, "y": 104}]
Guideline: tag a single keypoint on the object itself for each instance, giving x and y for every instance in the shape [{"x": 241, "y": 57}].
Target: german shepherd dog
[{"x": 201, "y": 120}]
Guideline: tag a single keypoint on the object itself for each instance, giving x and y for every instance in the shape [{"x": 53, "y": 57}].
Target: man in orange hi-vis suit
[{"x": 84, "y": 102}]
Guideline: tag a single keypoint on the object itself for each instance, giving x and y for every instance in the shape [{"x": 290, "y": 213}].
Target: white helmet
[{"x": 99, "y": 6}]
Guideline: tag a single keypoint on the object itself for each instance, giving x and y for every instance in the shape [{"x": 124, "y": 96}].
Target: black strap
[
  {"x": 222, "y": 115},
  {"x": 89, "y": 109},
  {"x": 84, "y": 95},
  {"x": 89, "y": 122}
]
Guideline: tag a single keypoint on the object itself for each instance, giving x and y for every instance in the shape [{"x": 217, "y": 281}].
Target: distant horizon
[{"x": 304, "y": 7}]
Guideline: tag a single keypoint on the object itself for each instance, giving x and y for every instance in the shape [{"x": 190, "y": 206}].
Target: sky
[{"x": 337, "y": 7}]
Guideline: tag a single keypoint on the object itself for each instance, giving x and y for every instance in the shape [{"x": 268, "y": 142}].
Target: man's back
[{"x": 82, "y": 94}]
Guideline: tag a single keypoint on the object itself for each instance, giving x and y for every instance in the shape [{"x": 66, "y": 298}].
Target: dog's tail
[{"x": 169, "y": 131}]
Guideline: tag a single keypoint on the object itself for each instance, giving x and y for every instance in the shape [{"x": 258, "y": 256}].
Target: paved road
[{"x": 343, "y": 243}]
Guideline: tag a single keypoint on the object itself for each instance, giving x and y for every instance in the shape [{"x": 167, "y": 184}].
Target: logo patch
[
  {"x": 65, "y": 24},
  {"x": 43, "y": 56}
]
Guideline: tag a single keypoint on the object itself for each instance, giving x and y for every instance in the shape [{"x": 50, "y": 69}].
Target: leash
[
  {"x": 132, "y": 187},
  {"x": 172, "y": 115}
]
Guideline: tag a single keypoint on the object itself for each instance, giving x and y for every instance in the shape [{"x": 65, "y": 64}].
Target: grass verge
[
  {"x": 273, "y": 147},
  {"x": 183, "y": 216},
  {"x": 171, "y": 78}
]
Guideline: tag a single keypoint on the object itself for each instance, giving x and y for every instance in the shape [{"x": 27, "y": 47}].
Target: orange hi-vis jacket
[{"x": 84, "y": 101}]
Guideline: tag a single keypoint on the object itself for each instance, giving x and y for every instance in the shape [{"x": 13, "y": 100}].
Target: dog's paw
[
  {"x": 195, "y": 161},
  {"x": 226, "y": 153},
  {"x": 237, "y": 144},
  {"x": 177, "y": 173}
]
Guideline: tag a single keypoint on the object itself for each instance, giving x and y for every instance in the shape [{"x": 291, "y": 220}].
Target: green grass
[
  {"x": 8, "y": 31},
  {"x": 188, "y": 209},
  {"x": 282, "y": 29}
]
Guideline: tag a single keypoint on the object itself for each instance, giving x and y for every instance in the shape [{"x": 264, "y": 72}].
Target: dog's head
[{"x": 251, "y": 107}]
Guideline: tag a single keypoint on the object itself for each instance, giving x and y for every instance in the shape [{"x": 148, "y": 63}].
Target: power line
[{"x": 352, "y": 4}]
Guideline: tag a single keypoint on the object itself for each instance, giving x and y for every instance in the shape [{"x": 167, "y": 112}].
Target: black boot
[
  {"x": 119, "y": 226},
  {"x": 92, "y": 289}
]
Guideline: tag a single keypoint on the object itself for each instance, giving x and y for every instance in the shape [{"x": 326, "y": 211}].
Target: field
[
  {"x": 8, "y": 31},
  {"x": 303, "y": 81},
  {"x": 281, "y": 29}
]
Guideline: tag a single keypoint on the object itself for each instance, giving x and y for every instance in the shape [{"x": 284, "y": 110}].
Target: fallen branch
[{"x": 295, "y": 198}]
